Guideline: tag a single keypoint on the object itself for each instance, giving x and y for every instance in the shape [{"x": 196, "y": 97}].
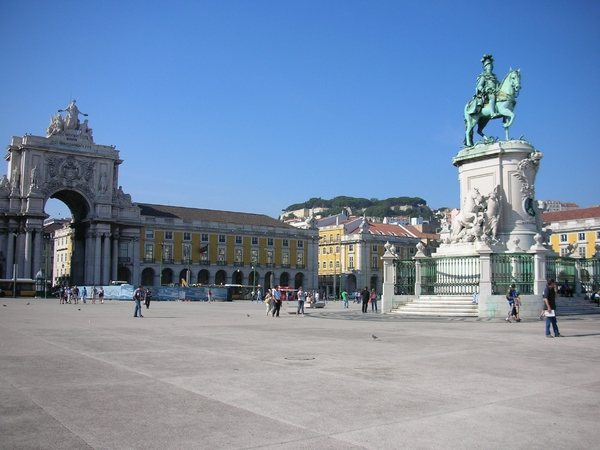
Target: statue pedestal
[{"x": 511, "y": 165}]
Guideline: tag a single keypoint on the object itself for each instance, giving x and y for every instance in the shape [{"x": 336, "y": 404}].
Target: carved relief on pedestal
[{"x": 478, "y": 217}]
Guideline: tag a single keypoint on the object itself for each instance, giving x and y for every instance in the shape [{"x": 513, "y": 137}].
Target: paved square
[{"x": 223, "y": 375}]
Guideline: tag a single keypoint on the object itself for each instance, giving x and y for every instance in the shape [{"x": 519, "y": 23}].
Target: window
[
  {"x": 269, "y": 241},
  {"x": 238, "y": 255},
  {"x": 337, "y": 248},
  {"x": 300, "y": 259},
  {"x": 581, "y": 236},
  {"x": 563, "y": 238},
  {"x": 149, "y": 252},
  {"x": 411, "y": 250},
  {"x": 331, "y": 264},
  {"x": 582, "y": 252},
  {"x": 374, "y": 264},
  {"x": 286, "y": 243},
  {"x": 254, "y": 256},
  {"x": 564, "y": 251},
  {"x": 337, "y": 264},
  {"x": 350, "y": 262},
  {"x": 300, "y": 244},
  {"x": 597, "y": 234},
  {"x": 221, "y": 255},
  {"x": 204, "y": 237},
  {"x": 238, "y": 239},
  {"x": 221, "y": 238},
  {"x": 351, "y": 248},
  {"x": 330, "y": 238},
  {"x": 187, "y": 236},
  {"x": 269, "y": 256},
  {"x": 149, "y": 234},
  {"x": 167, "y": 253},
  {"x": 123, "y": 250},
  {"x": 254, "y": 241},
  {"x": 330, "y": 250},
  {"x": 375, "y": 248},
  {"x": 169, "y": 235},
  {"x": 324, "y": 265},
  {"x": 337, "y": 237},
  {"x": 185, "y": 252},
  {"x": 285, "y": 258}
]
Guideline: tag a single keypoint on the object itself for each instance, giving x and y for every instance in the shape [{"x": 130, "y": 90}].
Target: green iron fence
[
  {"x": 450, "y": 276},
  {"x": 405, "y": 277},
  {"x": 510, "y": 269},
  {"x": 589, "y": 275},
  {"x": 561, "y": 269}
]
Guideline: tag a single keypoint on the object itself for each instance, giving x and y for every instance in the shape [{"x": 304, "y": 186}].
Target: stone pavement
[{"x": 223, "y": 375}]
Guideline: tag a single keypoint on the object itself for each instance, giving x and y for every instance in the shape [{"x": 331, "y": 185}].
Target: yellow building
[
  {"x": 350, "y": 251},
  {"x": 575, "y": 231},
  {"x": 201, "y": 246}
]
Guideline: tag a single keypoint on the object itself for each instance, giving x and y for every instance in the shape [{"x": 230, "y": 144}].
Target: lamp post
[
  {"x": 161, "y": 259},
  {"x": 47, "y": 238},
  {"x": 254, "y": 277}
]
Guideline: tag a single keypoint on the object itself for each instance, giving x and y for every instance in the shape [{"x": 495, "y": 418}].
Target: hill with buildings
[{"x": 353, "y": 206}]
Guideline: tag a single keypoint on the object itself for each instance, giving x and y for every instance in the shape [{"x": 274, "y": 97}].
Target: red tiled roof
[
  {"x": 393, "y": 230},
  {"x": 572, "y": 214}
]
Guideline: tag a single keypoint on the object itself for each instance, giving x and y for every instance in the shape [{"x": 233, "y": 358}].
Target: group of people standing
[
  {"x": 367, "y": 297},
  {"x": 72, "y": 294}
]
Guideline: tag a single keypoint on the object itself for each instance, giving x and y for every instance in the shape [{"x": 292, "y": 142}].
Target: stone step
[
  {"x": 434, "y": 313},
  {"x": 439, "y": 306}
]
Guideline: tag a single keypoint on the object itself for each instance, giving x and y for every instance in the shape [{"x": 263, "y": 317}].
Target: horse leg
[{"x": 469, "y": 125}]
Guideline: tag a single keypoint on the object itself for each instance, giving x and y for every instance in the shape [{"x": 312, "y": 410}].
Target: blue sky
[{"x": 254, "y": 105}]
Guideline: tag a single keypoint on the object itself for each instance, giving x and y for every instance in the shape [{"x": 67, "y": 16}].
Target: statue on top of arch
[{"x": 59, "y": 125}]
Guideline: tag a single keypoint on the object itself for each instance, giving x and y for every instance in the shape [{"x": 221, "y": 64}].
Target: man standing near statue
[{"x": 487, "y": 85}]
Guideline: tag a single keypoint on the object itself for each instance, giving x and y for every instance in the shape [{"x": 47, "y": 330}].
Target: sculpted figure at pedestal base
[{"x": 478, "y": 217}]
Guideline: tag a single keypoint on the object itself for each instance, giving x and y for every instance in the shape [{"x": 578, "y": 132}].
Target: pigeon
[
  {"x": 28, "y": 303},
  {"x": 374, "y": 337},
  {"x": 3, "y": 305},
  {"x": 78, "y": 309},
  {"x": 248, "y": 315}
]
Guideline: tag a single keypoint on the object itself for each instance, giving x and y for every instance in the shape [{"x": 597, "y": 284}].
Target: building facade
[
  {"x": 350, "y": 251},
  {"x": 575, "y": 231}
]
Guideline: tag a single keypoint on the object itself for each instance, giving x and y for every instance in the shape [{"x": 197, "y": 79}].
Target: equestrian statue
[{"x": 492, "y": 100}]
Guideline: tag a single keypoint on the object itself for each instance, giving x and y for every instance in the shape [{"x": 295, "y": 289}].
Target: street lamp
[{"x": 161, "y": 261}]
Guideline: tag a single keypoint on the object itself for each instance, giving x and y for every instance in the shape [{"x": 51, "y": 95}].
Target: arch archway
[
  {"x": 221, "y": 277},
  {"x": 203, "y": 276},
  {"x": 267, "y": 282},
  {"x": 254, "y": 280},
  {"x": 299, "y": 281},
  {"x": 284, "y": 279},
  {"x": 148, "y": 276},
  {"x": 185, "y": 275},
  {"x": 374, "y": 283},
  {"x": 237, "y": 277},
  {"x": 167, "y": 277},
  {"x": 124, "y": 274},
  {"x": 351, "y": 283}
]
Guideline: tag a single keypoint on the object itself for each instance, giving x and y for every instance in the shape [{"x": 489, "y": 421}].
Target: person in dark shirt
[
  {"x": 550, "y": 304},
  {"x": 365, "y": 295}
]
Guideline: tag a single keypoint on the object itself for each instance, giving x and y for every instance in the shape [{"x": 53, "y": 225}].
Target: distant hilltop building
[
  {"x": 555, "y": 205},
  {"x": 575, "y": 232}
]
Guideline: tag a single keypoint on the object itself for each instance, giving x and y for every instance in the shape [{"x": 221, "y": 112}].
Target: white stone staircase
[
  {"x": 438, "y": 306},
  {"x": 569, "y": 306}
]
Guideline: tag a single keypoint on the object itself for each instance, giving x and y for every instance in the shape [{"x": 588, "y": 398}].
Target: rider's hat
[{"x": 487, "y": 59}]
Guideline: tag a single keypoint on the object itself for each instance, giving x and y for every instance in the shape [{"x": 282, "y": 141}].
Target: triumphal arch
[{"x": 67, "y": 165}]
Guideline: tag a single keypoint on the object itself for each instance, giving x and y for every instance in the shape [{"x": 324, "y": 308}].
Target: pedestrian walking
[
  {"x": 209, "y": 295},
  {"x": 138, "y": 297},
  {"x": 148, "y": 295},
  {"x": 94, "y": 294},
  {"x": 373, "y": 300},
  {"x": 345, "y": 298},
  {"x": 365, "y": 295},
  {"x": 83, "y": 294},
  {"x": 277, "y": 301},
  {"x": 258, "y": 295},
  {"x": 101, "y": 294},
  {"x": 550, "y": 303},
  {"x": 269, "y": 302},
  {"x": 512, "y": 296}
]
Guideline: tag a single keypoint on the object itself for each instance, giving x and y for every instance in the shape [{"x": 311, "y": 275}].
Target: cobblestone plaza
[{"x": 223, "y": 375}]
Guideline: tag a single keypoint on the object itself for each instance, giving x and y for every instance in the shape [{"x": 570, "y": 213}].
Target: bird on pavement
[{"x": 374, "y": 337}]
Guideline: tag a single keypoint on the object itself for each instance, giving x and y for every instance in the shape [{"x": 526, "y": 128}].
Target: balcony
[
  {"x": 300, "y": 266},
  {"x": 285, "y": 266},
  {"x": 269, "y": 265},
  {"x": 167, "y": 261},
  {"x": 186, "y": 261},
  {"x": 238, "y": 264},
  {"x": 204, "y": 263},
  {"x": 374, "y": 267},
  {"x": 221, "y": 263},
  {"x": 124, "y": 260},
  {"x": 148, "y": 260}
]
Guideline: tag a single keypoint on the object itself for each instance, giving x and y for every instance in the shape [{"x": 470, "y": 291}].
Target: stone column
[
  {"x": 135, "y": 258},
  {"x": 89, "y": 258},
  {"x": 417, "y": 277},
  {"x": 485, "y": 267},
  {"x": 115, "y": 256},
  {"x": 97, "y": 257},
  {"x": 4, "y": 249},
  {"x": 106, "y": 260},
  {"x": 539, "y": 266},
  {"x": 10, "y": 253},
  {"x": 37, "y": 251},
  {"x": 20, "y": 254},
  {"x": 389, "y": 278}
]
